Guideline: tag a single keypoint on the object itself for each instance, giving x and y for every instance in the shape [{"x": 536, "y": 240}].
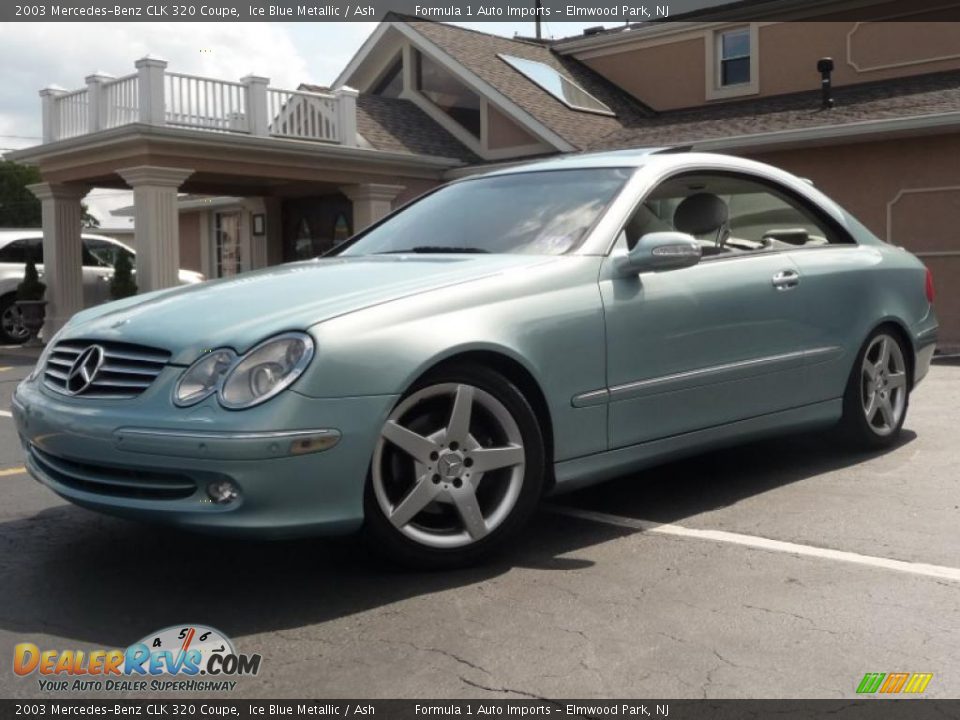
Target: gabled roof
[
  {"x": 478, "y": 53},
  {"x": 919, "y": 95},
  {"x": 400, "y": 126}
]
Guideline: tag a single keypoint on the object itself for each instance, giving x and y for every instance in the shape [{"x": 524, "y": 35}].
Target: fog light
[{"x": 223, "y": 491}]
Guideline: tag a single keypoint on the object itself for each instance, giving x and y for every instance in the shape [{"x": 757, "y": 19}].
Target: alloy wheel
[
  {"x": 449, "y": 465},
  {"x": 883, "y": 385},
  {"x": 12, "y": 323}
]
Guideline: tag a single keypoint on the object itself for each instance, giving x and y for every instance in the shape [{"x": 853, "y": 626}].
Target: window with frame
[
  {"x": 447, "y": 93},
  {"x": 391, "y": 84},
  {"x": 14, "y": 252},
  {"x": 733, "y": 57},
  {"x": 102, "y": 253},
  {"x": 731, "y": 214}
]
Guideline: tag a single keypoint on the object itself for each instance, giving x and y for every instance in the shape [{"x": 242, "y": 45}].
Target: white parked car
[{"x": 99, "y": 256}]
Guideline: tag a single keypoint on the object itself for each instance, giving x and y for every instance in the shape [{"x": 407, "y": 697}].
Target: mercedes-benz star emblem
[
  {"x": 450, "y": 466},
  {"x": 84, "y": 370}
]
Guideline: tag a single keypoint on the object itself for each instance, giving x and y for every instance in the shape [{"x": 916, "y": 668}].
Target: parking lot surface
[{"x": 759, "y": 571}]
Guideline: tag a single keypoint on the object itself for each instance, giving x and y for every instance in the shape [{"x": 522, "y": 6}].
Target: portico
[{"x": 163, "y": 134}]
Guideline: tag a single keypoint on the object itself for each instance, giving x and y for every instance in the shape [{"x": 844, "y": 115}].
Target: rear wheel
[
  {"x": 12, "y": 329},
  {"x": 878, "y": 392},
  {"x": 456, "y": 472}
]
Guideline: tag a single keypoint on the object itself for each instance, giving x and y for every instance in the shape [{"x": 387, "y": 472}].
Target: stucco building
[{"x": 233, "y": 175}]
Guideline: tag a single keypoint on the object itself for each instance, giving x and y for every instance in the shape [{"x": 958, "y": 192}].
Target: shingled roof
[
  {"x": 478, "y": 52},
  {"x": 400, "y": 126},
  {"x": 887, "y": 99}
]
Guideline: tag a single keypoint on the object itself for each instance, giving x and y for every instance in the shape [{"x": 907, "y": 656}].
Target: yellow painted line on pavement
[
  {"x": 6, "y": 367},
  {"x": 13, "y": 471}
]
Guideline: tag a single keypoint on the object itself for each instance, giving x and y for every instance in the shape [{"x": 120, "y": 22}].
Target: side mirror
[{"x": 659, "y": 251}]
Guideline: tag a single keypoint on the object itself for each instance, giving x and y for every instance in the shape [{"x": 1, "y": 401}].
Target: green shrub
[
  {"x": 30, "y": 288},
  {"x": 123, "y": 285}
]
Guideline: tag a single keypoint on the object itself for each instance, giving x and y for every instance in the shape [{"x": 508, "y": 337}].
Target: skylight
[{"x": 560, "y": 86}]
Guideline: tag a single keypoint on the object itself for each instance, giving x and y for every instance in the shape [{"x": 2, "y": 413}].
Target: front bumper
[{"x": 300, "y": 463}]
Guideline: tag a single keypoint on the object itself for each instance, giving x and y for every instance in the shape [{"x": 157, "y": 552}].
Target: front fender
[{"x": 548, "y": 319}]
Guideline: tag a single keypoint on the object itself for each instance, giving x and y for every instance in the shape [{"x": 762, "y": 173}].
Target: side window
[
  {"x": 101, "y": 253},
  {"x": 729, "y": 214},
  {"x": 34, "y": 250},
  {"x": 14, "y": 252}
]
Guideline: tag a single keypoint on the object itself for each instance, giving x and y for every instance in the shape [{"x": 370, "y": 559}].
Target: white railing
[
  {"x": 200, "y": 102},
  {"x": 120, "y": 102},
  {"x": 72, "y": 113},
  {"x": 153, "y": 96},
  {"x": 303, "y": 115}
]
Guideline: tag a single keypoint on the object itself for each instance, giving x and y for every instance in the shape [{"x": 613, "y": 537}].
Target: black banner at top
[{"x": 604, "y": 12}]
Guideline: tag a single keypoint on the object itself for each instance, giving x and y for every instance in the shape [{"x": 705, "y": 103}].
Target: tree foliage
[{"x": 19, "y": 207}]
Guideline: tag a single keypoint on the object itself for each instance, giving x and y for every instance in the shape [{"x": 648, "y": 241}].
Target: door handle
[{"x": 786, "y": 280}]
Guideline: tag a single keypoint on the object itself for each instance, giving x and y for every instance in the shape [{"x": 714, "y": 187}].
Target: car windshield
[{"x": 536, "y": 213}]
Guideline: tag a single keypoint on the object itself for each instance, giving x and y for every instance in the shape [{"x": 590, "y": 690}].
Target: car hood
[{"x": 239, "y": 312}]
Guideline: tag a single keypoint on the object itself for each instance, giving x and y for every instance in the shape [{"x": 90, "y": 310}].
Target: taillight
[{"x": 928, "y": 286}]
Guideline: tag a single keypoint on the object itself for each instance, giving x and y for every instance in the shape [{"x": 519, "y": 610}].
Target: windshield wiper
[{"x": 427, "y": 249}]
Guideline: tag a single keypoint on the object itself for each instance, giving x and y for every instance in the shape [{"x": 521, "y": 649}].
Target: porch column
[
  {"x": 62, "y": 251},
  {"x": 371, "y": 201},
  {"x": 156, "y": 225}
]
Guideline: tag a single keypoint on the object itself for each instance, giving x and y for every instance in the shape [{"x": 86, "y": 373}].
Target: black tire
[
  {"x": 388, "y": 540},
  {"x": 856, "y": 429},
  {"x": 7, "y": 306}
]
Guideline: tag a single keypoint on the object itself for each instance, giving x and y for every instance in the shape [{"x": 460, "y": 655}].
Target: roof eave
[
  {"x": 141, "y": 131},
  {"x": 862, "y": 131}
]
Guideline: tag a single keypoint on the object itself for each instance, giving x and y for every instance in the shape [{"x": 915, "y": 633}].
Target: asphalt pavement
[{"x": 785, "y": 568}]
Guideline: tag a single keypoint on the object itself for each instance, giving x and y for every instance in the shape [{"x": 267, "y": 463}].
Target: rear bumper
[
  {"x": 925, "y": 345},
  {"x": 148, "y": 463}
]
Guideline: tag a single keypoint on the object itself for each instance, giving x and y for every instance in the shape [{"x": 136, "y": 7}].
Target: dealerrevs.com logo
[{"x": 180, "y": 658}]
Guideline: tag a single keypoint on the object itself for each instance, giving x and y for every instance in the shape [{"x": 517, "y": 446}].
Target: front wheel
[
  {"x": 457, "y": 470},
  {"x": 12, "y": 329},
  {"x": 878, "y": 392}
]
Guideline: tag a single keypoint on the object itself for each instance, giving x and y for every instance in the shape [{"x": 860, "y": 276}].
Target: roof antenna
[
  {"x": 825, "y": 67},
  {"x": 537, "y": 9}
]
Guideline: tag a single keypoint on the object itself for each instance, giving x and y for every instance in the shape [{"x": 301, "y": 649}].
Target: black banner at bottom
[{"x": 913, "y": 709}]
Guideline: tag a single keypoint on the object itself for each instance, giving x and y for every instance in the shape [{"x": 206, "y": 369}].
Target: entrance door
[{"x": 229, "y": 251}]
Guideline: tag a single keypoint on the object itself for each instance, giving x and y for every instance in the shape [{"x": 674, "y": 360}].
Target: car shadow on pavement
[
  {"x": 669, "y": 493},
  {"x": 75, "y": 574}
]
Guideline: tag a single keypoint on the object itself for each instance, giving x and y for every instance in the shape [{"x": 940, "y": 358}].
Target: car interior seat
[{"x": 704, "y": 214}]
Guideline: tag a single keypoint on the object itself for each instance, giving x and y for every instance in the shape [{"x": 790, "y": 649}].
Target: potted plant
[
  {"x": 30, "y": 302},
  {"x": 122, "y": 285}
]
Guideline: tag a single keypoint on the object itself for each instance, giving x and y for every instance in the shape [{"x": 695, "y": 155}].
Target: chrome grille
[{"x": 126, "y": 369}]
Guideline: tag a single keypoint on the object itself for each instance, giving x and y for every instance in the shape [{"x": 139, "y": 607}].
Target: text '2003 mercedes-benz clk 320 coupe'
[{"x": 528, "y": 331}]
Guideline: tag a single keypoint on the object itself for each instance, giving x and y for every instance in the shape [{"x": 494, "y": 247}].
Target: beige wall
[
  {"x": 504, "y": 133},
  {"x": 904, "y": 191},
  {"x": 673, "y": 74},
  {"x": 412, "y": 189},
  {"x": 190, "y": 250},
  {"x": 662, "y": 76},
  {"x": 861, "y": 51}
]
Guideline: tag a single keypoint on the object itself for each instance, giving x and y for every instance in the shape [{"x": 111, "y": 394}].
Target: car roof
[
  {"x": 8, "y": 235},
  {"x": 662, "y": 157}
]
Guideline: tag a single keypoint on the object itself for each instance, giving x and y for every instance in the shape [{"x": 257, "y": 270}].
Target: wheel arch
[
  {"x": 521, "y": 376},
  {"x": 898, "y": 328}
]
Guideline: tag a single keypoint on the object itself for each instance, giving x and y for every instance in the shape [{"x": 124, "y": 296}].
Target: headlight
[
  {"x": 266, "y": 370},
  {"x": 203, "y": 377}
]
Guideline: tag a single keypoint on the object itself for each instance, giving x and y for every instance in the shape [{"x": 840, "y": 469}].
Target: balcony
[{"x": 154, "y": 96}]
